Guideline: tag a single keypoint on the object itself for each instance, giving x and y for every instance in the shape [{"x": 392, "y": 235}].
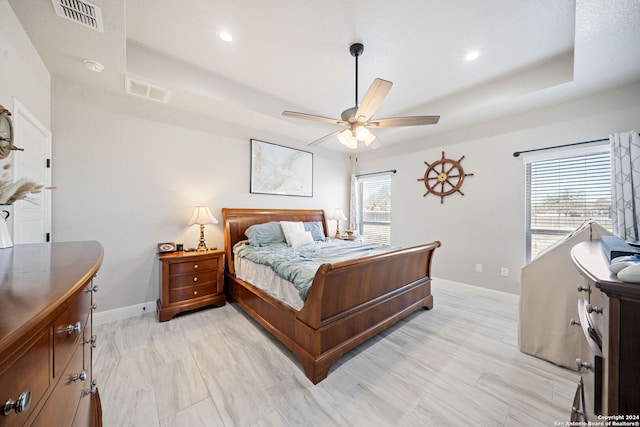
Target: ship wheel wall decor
[{"x": 444, "y": 177}]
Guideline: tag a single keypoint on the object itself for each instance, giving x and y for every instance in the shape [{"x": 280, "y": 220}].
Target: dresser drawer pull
[
  {"x": 19, "y": 405},
  {"x": 92, "y": 390},
  {"x": 71, "y": 328},
  {"x": 594, "y": 309},
  {"x": 584, "y": 288},
  {"x": 574, "y": 322},
  {"x": 81, "y": 376},
  {"x": 195, "y": 279},
  {"x": 93, "y": 306},
  {"x": 91, "y": 341},
  {"x": 93, "y": 288},
  {"x": 581, "y": 364},
  {"x": 195, "y": 266},
  {"x": 195, "y": 292}
]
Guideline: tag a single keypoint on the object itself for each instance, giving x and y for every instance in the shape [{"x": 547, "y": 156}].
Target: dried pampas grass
[{"x": 10, "y": 192}]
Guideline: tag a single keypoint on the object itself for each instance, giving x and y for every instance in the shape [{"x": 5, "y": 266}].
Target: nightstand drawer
[
  {"x": 193, "y": 279},
  {"x": 193, "y": 292},
  {"x": 193, "y": 266}
]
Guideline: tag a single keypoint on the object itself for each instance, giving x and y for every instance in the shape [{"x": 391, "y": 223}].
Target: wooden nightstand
[{"x": 190, "y": 280}]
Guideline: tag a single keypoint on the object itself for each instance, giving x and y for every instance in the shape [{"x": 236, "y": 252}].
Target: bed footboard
[{"x": 352, "y": 301}]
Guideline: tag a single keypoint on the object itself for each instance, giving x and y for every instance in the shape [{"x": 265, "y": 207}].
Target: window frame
[{"x": 597, "y": 149}]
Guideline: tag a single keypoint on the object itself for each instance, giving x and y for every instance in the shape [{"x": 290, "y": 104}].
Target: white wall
[
  {"x": 128, "y": 179},
  {"x": 22, "y": 72},
  {"x": 486, "y": 225}
]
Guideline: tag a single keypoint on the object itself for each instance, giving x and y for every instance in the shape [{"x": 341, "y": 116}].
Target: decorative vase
[{"x": 5, "y": 236}]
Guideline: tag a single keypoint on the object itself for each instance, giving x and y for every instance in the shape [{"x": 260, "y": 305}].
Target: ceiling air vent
[
  {"x": 146, "y": 90},
  {"x": 82, "y": 12}
]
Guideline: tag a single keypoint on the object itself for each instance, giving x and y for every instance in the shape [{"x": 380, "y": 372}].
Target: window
[
  {"x": 374, "y": 203},
  {"x": 562, "y": 193}
]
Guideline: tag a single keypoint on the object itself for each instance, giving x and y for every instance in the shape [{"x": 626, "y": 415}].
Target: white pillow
[
  {"x": 300, "y": 238},
  {"x": 290, "y": 227}
]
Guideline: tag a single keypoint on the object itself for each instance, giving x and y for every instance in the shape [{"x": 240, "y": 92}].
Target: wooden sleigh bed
[{"x": 348, "y": 302}]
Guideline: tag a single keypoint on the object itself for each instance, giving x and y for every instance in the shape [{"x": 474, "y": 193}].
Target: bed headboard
[{"x": 236, "y": 221}]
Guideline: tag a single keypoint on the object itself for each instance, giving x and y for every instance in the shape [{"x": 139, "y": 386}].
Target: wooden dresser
[
  {"x": 46, "y": 340},
  {"x": 190, "y": 280},
  {"x": 609, "y": 354}
]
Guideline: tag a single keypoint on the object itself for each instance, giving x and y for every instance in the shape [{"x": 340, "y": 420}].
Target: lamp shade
[
  {"x": 202, "y": 215},
  {"x": 338, "y": 215}
]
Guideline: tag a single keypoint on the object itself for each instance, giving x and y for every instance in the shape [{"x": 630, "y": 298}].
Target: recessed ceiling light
[
  {"x": 472, "y": 56},
  {"x": 225, "y": 36},
  {"x": 94, "y": 66}
]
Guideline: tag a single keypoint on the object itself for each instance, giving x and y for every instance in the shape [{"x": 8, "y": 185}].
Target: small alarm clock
[{"x": 166, "y": 247}]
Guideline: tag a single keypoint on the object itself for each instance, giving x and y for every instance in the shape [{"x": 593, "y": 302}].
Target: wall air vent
[
  {"x": 146, "y": 90},
  {"x": 80, "y": 11}
]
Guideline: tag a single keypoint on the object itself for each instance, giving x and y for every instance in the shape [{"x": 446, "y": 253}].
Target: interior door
[{"x": 31, "y": 218}]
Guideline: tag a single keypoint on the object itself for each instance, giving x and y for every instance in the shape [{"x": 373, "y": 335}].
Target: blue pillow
[
  {"x": 316, "y": 229},
  {"x": 265, "y": 234}
]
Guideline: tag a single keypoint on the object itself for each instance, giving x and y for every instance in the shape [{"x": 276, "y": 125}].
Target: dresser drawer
[
  {"x": 193, "y": 266},
  {"x": 63, "y": 402},
  {"x": 203, "y": 277},
  {"x": 67, "y": 330},
  {"x": 30, "y": 371},
  {"x": 191, "y": 292}
]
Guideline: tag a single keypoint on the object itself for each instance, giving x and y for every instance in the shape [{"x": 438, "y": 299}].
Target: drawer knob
[
  {"x": 93, "y": 288},
  {"x": 195, "y": 292},
  {"x": 91, "y": 341},
  {"x": 574, "y": 322},
  {"x": 582, "y": 364},
  {"x": 584, "y": 288},
  {"x": 594, "y": 309},
  {"x": 576, "y": 411},
  {"x": 19, "y": 405},
  {"x": 195, "y": 279},
  {"x": 81, "y": 376},
  {"x": 92, "y": 390},
  {"x": 93, "y": 306},
  {"x": 71, "y": 328},
  {"x": 195, "y": 266}
]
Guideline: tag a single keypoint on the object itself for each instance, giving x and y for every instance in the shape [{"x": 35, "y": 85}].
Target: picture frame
[{"x": 280, "y": 170}]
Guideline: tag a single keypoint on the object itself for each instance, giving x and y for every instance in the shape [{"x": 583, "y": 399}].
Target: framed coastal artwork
[{"x": 280, "y": 170}]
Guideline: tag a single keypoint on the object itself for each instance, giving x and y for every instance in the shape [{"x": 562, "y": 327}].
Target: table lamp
[
  {"x": 338, "y": 216},
  {"x": 202, "y": 215}
]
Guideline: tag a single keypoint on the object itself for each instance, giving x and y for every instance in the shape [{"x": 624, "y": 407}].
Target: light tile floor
[{"x": 455, "y": 365}]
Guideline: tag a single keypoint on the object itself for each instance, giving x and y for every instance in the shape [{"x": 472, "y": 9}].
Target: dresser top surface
[
  {"x": 592, "y": 263},
  {"x": 36, "y": 278}
]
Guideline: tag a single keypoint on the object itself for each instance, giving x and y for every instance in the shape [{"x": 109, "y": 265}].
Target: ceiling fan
[{"x": 356, "y": 120}]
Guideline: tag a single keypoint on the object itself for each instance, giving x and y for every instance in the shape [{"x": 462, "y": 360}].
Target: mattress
[{"x": 265, "y": 279}]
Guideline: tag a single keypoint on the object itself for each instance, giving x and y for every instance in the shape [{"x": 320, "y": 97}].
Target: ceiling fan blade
[
  {"x": 395, "y": 122},
  {"x": 325, "y": 138},
  {"x": 374, "y": 143},
  {"x": 306, "y": 116},
  {"x": 372, "y": 99}
]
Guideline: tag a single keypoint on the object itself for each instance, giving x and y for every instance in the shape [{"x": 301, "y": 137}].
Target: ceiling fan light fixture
[
  {"x": 362, "y": 133},
  {"x": 347, "y": 139},
  {"x": 369, "y": 139}
]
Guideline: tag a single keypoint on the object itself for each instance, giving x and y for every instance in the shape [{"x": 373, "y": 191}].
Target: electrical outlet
[
  {"x": 478, "y": 268},
  {"x": 504, "y": 271}
]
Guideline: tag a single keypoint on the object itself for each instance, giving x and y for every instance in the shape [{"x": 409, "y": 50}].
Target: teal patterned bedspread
[{"x": 299, "y": 264}]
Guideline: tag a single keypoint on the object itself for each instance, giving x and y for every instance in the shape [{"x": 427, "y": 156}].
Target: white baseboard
[{"x": 107, "y": 316}]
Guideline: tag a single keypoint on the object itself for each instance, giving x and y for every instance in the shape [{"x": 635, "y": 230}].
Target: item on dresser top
[
  {"x": 630, "y": 274},
  {"x": 614, "y": 247},
  {"x": 622, "y": 262}
]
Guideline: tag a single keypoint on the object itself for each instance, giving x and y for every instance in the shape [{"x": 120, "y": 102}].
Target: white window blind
[
  {"x": 375, "y": 208},
  {"x": 562, "y": 193}
]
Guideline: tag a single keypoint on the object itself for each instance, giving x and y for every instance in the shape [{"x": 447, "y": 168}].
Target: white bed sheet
[{"x": 265, "y": 279}]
